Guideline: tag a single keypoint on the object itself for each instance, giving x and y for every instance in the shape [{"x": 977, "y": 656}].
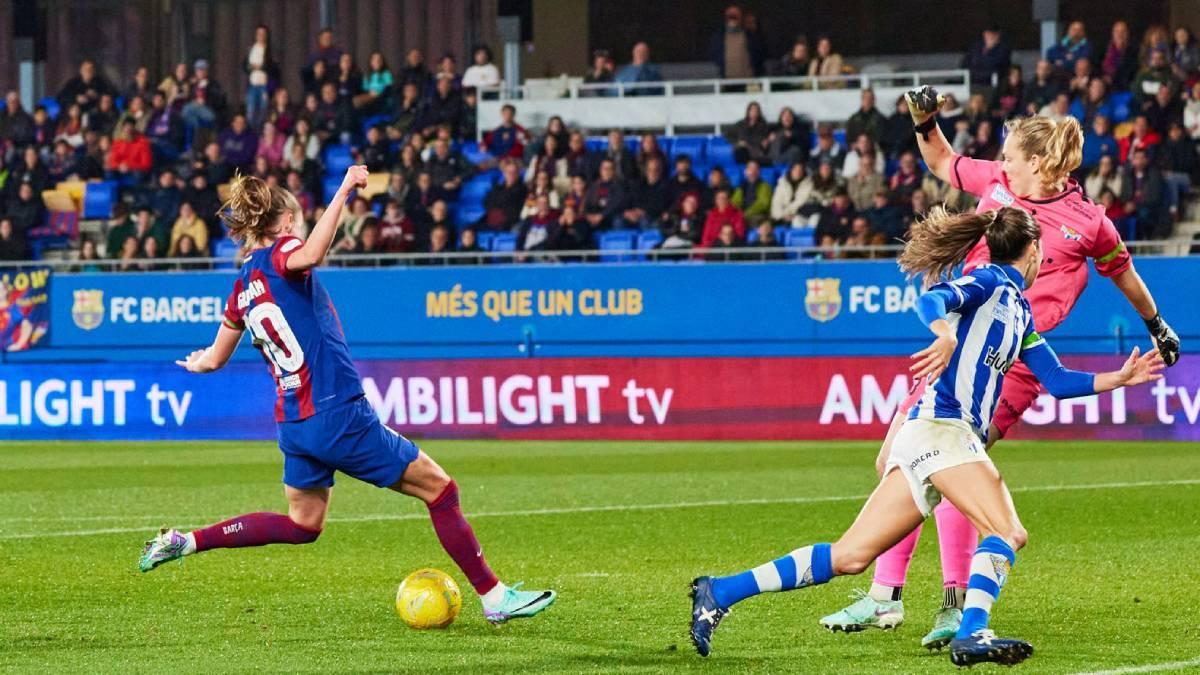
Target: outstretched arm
[
  {"x": 1063, "y": 382},
  {"x": 1135, "y": 290},
  {"x": 313, "y": 252},
  {"x": 923, "y": 105},
  {"x": 215, "y": 356}
]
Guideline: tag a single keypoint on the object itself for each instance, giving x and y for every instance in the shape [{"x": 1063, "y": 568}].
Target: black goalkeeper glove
[
  {"x": 1165, "y": 339},
  {"x": 924, "y": 104}
]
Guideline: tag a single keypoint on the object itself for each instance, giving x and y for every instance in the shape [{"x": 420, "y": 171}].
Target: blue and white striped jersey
[{"x": 993, "y": 323}]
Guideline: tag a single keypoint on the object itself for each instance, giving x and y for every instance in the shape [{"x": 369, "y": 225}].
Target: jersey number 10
[{"x": 269, "y": 328}]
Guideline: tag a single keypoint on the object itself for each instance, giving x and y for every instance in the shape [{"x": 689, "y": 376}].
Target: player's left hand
[
  {"x": 193, "y": 361},
  {"x": 931, "y": 361},
  {"x": 1141, "y": 369},
  {"x": 1165, "y": 339}
]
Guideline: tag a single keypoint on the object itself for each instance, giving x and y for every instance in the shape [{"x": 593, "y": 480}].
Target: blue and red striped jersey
[{"x": 293, "y": 323}]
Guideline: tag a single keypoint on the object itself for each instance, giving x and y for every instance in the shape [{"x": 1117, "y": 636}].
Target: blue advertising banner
[{"x": 802, "y": 308}]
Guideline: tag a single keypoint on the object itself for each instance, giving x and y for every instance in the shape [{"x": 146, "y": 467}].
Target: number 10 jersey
[{"x": 293, "y": 324}]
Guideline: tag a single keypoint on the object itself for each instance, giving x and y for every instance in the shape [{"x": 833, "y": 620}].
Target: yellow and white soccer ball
[{"x": 428, "y": 598}]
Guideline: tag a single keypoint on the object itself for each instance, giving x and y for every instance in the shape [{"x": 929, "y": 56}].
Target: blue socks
[
  {"x": 989, "y": 570},
  {"x": 803, "y": 567}
]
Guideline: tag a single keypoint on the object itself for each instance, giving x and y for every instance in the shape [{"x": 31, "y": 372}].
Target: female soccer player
[
  {"x": 325, "y": 423},
  {"x": 982, "y": 323},
  {"x": 1033, "y": 174}
]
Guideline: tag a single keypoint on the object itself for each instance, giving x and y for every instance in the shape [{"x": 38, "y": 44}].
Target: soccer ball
[{"x": 428, "y": 598}]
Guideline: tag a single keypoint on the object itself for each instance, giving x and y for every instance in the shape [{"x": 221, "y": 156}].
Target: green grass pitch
[{"x": 1109, "y": 579}]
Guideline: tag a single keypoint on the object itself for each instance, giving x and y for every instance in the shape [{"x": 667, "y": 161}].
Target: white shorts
[{"x": 924, "y": 447}]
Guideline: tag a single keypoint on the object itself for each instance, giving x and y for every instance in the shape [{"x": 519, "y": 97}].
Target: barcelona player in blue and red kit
[{"x": 325, "y": 423}]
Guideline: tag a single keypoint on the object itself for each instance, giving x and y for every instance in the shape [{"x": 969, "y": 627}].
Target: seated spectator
[
  {"x": 638, "y": 71},
  {"x": 86, "y": 89},
  {"x": 397, "y": 233},
  {"x": 1114, "y": 210},
  {"x": 1120, "y": 63},
  {"x": 541, "y": 187},
  {"x": 63, "y": 163},
  {"x": 410, "y": 163},
  {"x": 1145, "y": 197},
  {"x": 725, "y": 239},
  {"x": 131, "y": 158},
  {"x": 1184, "y": 55},
  {"x": 206, "y": 203},
  {"x": 482, "y": 72},
  {"x": 165, "y": 199},
  {"x": 443, "y": 109},
  {"x": 750, "y": 136},
  {"x": 898, "y": 135},
  {"x": 1143, "y": 137},
  {"x": 624, "y": 163},
  {"x": 468, "y": 243},
  {"x": 16, "y": 125},
  {"x": 906, "y": 180},
  {"x": 988, "y": 56},
  {"x": 333, "y": 121},
  {"x": 1095, "y": 102},
  {"x": 1008, "y": 100},
  {"x": 44, "y": 128},
  {"x": 827, "y": 149},
  {"x": 294, "y": 181},
  {"x": 649, "y": 199},
  {"x": 448, "y": 168},
  {"x": 864, "y": 183},
  {"x": 415, "y": 71},
  {"x": 142, "y": 226},
  {"x": 950, "y": 115},
  {"x": 834, "y": 225},
  {"x": 368, "y": 240},
  {"x": 1072, "y": 49},
  {"x": 1104, "y": 176},
  {"x": 1077, "y": 87},
  {"x": 536, "y": 231},
  {"x": 887, "y": 219},
  {"x": 790, "y": 139},
  {"x": 353, "y": 219},
  {"x": 25, "y": 209},
  {"x": 309, "y": 170},
  {"x": 794, "y": 63},
  {"x": 867, "y": 119},
  {"x": 684, "y": 182},
  {"x": 862, "y": 145},
  {"x": 70, "y": 126},
  {"x": 439, "y": 243},
  {"x": 31, "y": 170},
  {"x": 12, "y": 243},
  {"x": 207, "y": 92},
  {"x": 573, "y": 232},
  {"x": 717, "y": 180},
  {"x": 135, "y": 109},
  {"x": 1155, "y": 74},
  {"x": 177, "y": 87},
  {"x": 1058, "y": 109},
  {"x": 722, "y": 214},
  {"x": 164, "y": 128},
  {"x": 766, "y": 240},
  {"x": 792, "y": 195},
  {"x": 1098, "y": 142},
  {"x": 270, "y": 146},
  {"x": 188, "y": 224},
  {"x": 920, "y": 208},
  {"x": 577, "y": 195},
  {"x": 376, "y": 84},
  {"x": 397, "y": 190},
  {"x": 984, "y": 145},
  {"x": 1177, "y": 160},
  {"x": 1163, "y": 111},
  {"x": 826, "y": 63},
  {"x": 508, "y": 139},
  {"x": 606, "y": 198},
  {"x": 753, "y": 196},
  {"x": 861, "y": 236},
  {"x": 578, "y": 162},
  {"x": 940, "y": 192},
  {"x": 552, "y": 163},
  {"x": 502, "y": 205},
  {"x": 303, "y": 137},
  {"x": 129, "y": 255},
  {"x": 187, "y": 249},
  {"x": 686, "y": 224},
  {"x": 151, "y": 251},
  {"x": 600, "y": 73},
  {"x": 95, "y": 152},
  {"x": 1044, "y": 88},
  {"x": 238, "y": 144},
  {"x": 89, "y": 258},
  {"x": 647, "y": 150},
  {"x": 825, "y": 184},
  {"x": 281, "y": 112}
]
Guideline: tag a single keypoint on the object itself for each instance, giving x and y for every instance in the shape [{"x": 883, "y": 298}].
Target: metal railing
[{"x": 745, "y": 254}]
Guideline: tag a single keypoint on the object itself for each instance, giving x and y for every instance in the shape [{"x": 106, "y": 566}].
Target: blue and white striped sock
[
  {"x": 989, "y": 570},
  {"x": 803, "y": 567}
]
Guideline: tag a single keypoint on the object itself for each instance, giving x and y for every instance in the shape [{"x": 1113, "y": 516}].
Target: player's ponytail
[
  {"x": 1059, "y": 144},
  {"x": 254, "y": 208},
  {"x": 941, "y": 241}
]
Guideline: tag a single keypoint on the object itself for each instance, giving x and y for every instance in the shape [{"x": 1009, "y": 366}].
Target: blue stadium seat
[
  {"x": 616, "y": 240},
  {"x": 718, "y": 150},
  {"x": 503, "y": 242},
  {"x": 227, "y": 250},
  {"x": 1121, "y": 101},
  {"x": 771, "y": 175},
  {"x": 799, "y": 238},
  {"x": 596, "y": 143},
  {"x": 484, "y": 239},
  {"x": 693, "y": 146},
  {"x": 648, "y": 240},
  {"x": 752, "y": 235},
  {"x": 337, "y": 159},
  {"x": 474, "y": 190},
  {"x": 470, "y": 150},
  {"x": 666, "y": 143},
  {"x": 634, "y": 143},
  {"x": 839, "y": 135},
  {"x": 329, "y": 187},
  {"x": 781, "y": 232},
  {"x": 98, "y": 199},
  {"x": 374, "y": 120},
  {"x": 466, "y": 215},
  {"x": 51, "y": 105}
]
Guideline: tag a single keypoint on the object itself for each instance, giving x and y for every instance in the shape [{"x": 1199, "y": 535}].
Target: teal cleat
[
  {"x": 518, "y": 604},
  {"x": 167, "y": 546},
  {"x": 866, "y": 612},
  {"x": 945, "y": 625}
]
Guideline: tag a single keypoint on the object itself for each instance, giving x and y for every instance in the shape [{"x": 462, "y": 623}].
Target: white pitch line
[
  {"x": 1151, "y": 668},
  {"x": 622, "y": 507}
]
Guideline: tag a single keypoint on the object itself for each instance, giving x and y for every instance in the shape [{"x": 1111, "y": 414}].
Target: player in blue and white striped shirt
[{"x": 982, "y": 323}]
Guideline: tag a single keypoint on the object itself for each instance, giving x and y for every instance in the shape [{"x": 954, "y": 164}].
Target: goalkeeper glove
[
  {"x": 924, "y": 104},
  {"x": 1165, "y": 339}
]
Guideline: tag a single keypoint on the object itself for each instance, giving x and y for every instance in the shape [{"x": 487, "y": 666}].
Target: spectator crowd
[{"x": 171, "y": 143}]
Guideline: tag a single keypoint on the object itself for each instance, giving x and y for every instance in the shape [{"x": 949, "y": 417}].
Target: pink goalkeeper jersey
[{"x": 1073, "y": 230}]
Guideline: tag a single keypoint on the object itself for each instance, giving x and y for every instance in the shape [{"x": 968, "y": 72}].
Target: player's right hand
[
  {"x": 923, "y": 103},
  {"x": 356, "y": 177},
  {"x": 193, "y": 361},
  {"x": 1141, "y": 368}
]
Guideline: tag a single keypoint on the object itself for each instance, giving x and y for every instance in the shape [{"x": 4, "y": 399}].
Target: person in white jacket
[{"x": 792, "y": 193}]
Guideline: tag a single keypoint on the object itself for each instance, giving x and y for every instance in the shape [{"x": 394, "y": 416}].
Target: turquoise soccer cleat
[
  {"x": 168, "y": 545},
  {"x": 866, "y": 612},
  {"x": 945, "y": 625},
  {"x": 518, "y": 604}
]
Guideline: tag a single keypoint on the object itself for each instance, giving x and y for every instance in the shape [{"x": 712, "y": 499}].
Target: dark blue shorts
[{"x": 349, "y": 438}]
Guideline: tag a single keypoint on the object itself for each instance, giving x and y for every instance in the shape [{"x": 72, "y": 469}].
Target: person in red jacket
[
  {"x": 1143, "y": 137},
  {"x": 130, "y": 158},
  {"x": 722, "y": 213}
]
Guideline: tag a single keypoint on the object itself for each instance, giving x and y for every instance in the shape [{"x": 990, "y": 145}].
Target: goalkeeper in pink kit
[{"x": 1033, "y": 174}]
